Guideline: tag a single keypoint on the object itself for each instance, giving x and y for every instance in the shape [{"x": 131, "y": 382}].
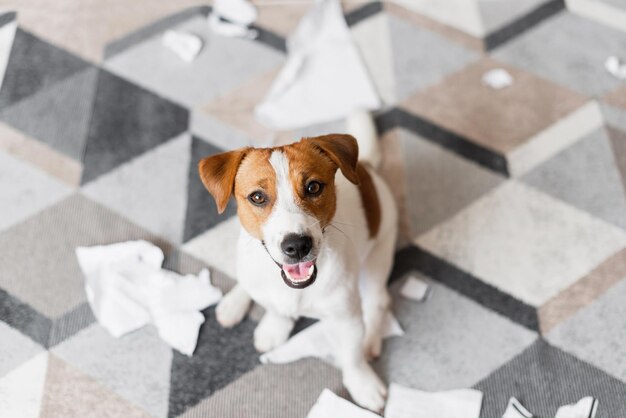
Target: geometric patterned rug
[{"x": 513, "y": 201}]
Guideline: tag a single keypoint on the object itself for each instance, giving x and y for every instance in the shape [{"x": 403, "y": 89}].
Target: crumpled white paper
[
  {"x": 186, "y": 45},
  {"x": 239, "y": 14},
  {"x": 324, "y": 78},
  {"x": 615, "y": 67},
  {"x": 329, "y": 405},
  {"x": 415, "y": 289},
  {"x": 127, "y": 288},
  {"x": 406, "y": 402},
  {"x": 584, "y": 408},
  {"x": 497, "y": 79}
]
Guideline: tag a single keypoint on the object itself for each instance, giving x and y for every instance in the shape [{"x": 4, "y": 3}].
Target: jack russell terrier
[{"x": 318, "y": 234}]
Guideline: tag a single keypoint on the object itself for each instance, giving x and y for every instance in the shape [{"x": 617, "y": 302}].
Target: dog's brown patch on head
[
  {"x": 342, "y": 149},
  {"x": 308, "y": 164},
  {"x": 369, "y": 199},
  {"x": 218, "y": 172},
  {"x": 255, "y": 174},
  {"x": 244, "y": 172}
]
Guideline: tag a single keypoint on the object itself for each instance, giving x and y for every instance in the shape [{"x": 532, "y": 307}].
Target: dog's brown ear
[
  {"x": 218, "y": 172},
  {"x": 343, "y": 150}
]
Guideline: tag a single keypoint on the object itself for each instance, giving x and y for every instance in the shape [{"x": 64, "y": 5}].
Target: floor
[{"x": 513, "y": 201}]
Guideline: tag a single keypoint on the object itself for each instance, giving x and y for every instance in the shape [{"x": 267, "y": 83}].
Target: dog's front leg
[
  {"x": 233, "y": 307},
  {"x": 359, "y": 378},
  {"x": 272, "y": 331}
]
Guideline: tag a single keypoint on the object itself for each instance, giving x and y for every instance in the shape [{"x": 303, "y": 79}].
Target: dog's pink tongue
[{"x": 298, "y": 271}]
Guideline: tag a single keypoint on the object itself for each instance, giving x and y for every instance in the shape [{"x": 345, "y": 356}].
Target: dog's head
[{"x": 285, "y": 196}]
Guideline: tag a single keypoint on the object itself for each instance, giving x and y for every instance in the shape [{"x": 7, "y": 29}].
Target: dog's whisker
[
  {"x": 334, "y": 226},
  {"x": 337, "y": 228},
  {"x": 314, "y": 223},
  {"x": 343, "y": 223}
]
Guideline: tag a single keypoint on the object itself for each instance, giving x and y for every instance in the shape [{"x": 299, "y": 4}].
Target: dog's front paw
[
  {"x": 271, "y": 332},
  {"x": 366, "y": 388},
  {"x": 373, "y": 346},
  {"x": 232, "y": 308}
]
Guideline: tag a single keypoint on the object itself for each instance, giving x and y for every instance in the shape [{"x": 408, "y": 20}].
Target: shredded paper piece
[
  {"x": 329, "y": 405},
  {"x": 416, "y": 289},
  {"x": 497, "y": 79},
  {"x": 405, "y": 402},
  {"x": 615, "y": 67},
  {"x": 127, "y": 288},
  {"x": 185, "y": 45}
]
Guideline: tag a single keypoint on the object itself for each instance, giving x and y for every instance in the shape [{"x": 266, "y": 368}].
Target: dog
[{"x": 318, "y": 235}]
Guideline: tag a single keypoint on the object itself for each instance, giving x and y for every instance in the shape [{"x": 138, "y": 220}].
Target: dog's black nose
[{"x": 296, "y": 246}]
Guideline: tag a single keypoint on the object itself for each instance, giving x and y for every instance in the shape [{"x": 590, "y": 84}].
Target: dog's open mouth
[{"x": 299, "y": 275}]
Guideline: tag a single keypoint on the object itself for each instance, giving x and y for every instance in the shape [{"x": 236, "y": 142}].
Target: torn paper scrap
[
  {"x": 180, "y": 330},
  {"x": 183, "y": 44},
  {"x": 404, "y": 402},
  {"x": 585, "y": 408},
  {"x": 7, "y": 35},
  {"x": 108, "y": 294},
  {"x": 317, "y": 341},
  {"x": 233, "y": 30},
  {"x": 416, "y": 289},
  {"x": 616, "y": 67},
  {"x": 329, "y": 405},
  {"x": 237, "y": 11},
  {"x": 127, "y": 288},
  {"x": 190, "y": 292},
  {"x": 324, "y": 78},
  {"x": 391, "y": 327},
  {"x": 232, "y": 18},
  {"x": 497, "y": 79},
  {"x": 515, "y": 409}
]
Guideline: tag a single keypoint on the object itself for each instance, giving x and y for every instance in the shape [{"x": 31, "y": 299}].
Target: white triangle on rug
[
  {"x": 21, "y": 390},
  {"x": 7, "y": 34},
  {"x": 218, "y": 246},
  {"x": 324, "y": 78},
  {"x": 586, "y": 176},
  {"x": 150, "y": 190}
]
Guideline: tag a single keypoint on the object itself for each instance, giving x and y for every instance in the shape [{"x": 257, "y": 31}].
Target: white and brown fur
[{"x": 352, "y": 223}]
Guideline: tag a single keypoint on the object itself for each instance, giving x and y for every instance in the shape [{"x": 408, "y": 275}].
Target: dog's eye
[
  {"x": 257, "y": 198},
  {"x": 314, "y": 188}
]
